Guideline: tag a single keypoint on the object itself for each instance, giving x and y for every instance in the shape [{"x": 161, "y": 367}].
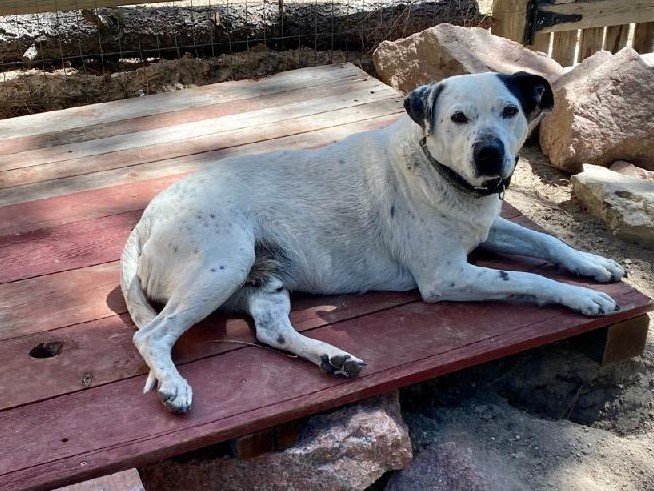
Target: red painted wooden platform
[{"x": 74, "y": 182}]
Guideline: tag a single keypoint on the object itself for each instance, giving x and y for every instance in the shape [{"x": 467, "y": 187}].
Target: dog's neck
[{"x": 457, "y": 181}]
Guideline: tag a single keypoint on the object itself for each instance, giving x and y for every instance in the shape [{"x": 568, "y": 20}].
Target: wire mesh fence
[{"x": 50, "y": 60}]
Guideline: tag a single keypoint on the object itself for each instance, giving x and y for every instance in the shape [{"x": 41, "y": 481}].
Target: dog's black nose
[{"x": 488, "y": 155}]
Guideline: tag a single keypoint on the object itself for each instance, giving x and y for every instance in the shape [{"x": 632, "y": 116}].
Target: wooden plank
[
  {"x": 193, "y": 148},
  {"x": 617, "y": 342},
  {"x": 13, "y": 7},
  {"x": 68, "y": 438},
  {"x": 334, "y": 100},
  {"x": 541, "y": 42},
  {"x": 599, "y": 13},
  {"x": 94, "y": 114},
  {"x": 590, "y": 42},
  {"x": 284, "y": 94},
  {"x": 26, "y": 217},
  {"x": 644, "y": 37},
  {"x": 128, "y": 480},
  {"x": 60, "y": 299},
  {"x": 563, "y": 47},
  {"x": 99, "y": 352},
  {"x": 510, "y": 19},
  {"x": 68, "y": 247},
  {"x": 616, "y": 38},
  {"x": 363, "y": 121}
]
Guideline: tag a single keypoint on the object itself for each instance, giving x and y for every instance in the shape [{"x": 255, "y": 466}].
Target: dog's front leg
[
  {"x": 465, "y": 282},
  {"x": 509, "y": 238}
]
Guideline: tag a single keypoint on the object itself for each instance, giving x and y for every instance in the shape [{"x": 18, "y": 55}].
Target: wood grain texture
[
  {"x": 563, "y": 47},
  {"x": 331, "y": 100},
  {"x": 75, "y": 118},
  {"x": 368, "y": 119},
  {"x": 274, "y": 95},
  {"x": 510, "y": 19},
  {"x": 590, "y": 42},
  {"x": 616, "y": 38},
  {"x": 644, "y": 37},
  {"x": 98, "y": 352},
  {"x": 599, "y": 13},
  {"x": 259, "y": 388},
  {"x": 541, "y": 43},
  {"x": 190, "y": 143}
]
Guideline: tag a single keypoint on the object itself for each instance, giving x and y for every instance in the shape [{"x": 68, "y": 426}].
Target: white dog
[{"x": 390, "y": 209}]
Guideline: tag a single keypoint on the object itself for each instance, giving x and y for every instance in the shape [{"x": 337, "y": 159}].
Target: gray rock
[
  {"x": 603, "y": 112},
  {"x": 445, "y": 50},
  {"x": 347, "y": 449},
  {"x": 625, "y": 203}
]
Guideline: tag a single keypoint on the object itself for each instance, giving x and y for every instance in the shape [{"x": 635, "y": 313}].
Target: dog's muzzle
[
  {"x": 492, "y": 186},
  {"x": 488, "y": 157}
]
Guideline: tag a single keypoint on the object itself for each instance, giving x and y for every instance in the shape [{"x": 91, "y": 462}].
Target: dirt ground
[{"x": 551, "y": 417}]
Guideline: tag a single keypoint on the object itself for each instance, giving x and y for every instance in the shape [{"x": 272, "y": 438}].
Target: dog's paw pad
[{"x": 344, "y": 365}]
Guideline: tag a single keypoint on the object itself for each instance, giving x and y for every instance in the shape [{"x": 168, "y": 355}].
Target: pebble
[{"x": 627, "y": 261}]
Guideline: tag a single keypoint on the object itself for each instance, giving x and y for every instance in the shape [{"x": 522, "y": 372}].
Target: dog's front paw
[
  {"x": 345, "y": 365},
  {"x": 589, "y": 302},
  {"x": 592, "y": 266},
  {"x": 176, "y": 394}
]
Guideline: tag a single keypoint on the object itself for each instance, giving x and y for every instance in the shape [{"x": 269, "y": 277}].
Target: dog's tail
[{"x": 138, "y": 306}]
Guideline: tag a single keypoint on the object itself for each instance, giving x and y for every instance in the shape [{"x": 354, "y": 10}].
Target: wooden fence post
[
  {"x": 616, "y": 38},
  {"x": 644, "y": 37},
  {"x": 510, "y": 19},
  {"x": 563, "y": 47},
  {"x": 591, "y": 42}
]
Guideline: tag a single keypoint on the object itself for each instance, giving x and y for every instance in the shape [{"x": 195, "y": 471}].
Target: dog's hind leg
[
  {"x": 202, "y": 290},
  {"x": 269, "y": 306}
]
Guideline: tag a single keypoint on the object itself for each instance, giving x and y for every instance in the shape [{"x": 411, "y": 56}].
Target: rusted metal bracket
[{"x": 538, "y": 19}]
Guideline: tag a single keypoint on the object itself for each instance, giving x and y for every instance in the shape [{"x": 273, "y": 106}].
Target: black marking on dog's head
[
  {"x": 533, "y": 91},
  {"x": 420, "y": 103}
]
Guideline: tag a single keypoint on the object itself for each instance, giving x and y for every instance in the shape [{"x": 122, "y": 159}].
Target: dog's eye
[
  {"x": 459, "y": 118},
  {"x": 509, "y": 112}
]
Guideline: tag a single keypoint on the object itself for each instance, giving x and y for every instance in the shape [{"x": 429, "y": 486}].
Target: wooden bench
[{"x": 73, "y": 183}]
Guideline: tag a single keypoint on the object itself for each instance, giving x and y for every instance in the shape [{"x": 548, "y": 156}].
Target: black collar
[{"x": 497, "y": 186}]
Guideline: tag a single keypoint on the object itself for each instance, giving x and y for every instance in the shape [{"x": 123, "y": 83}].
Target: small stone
[{"x": 628, "y": 261}]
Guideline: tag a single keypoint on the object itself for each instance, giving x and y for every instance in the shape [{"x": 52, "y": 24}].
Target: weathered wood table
[{"x": 73, "y": 183}]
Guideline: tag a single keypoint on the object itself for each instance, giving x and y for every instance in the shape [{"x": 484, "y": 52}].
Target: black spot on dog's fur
[
  {"x": 452, "y": 285},
  {"x": 281, "y": 339},
  {"x": 420, "y": 103},
  {"x": 532, "y": 91},
  {"x": 213, "y": 270},
  {"x": 504, "y": 275},
  {"x": 392, "y": 211}
]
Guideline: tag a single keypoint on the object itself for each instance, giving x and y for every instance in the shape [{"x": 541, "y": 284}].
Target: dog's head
[{"x": 476, "y": 124}]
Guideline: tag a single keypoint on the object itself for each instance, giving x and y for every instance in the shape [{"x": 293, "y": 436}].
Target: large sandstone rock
[
  {"x": 624, "y": 202},
  {"x": 348, "y": 449},
  {"x": 603, "y": 111},
  {"x": 445, "y": 50}
]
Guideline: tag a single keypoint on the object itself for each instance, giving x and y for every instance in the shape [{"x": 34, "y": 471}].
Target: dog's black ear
[
  {"x": 420, "y": 102},
  {"x": 533, "y": 91}
]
